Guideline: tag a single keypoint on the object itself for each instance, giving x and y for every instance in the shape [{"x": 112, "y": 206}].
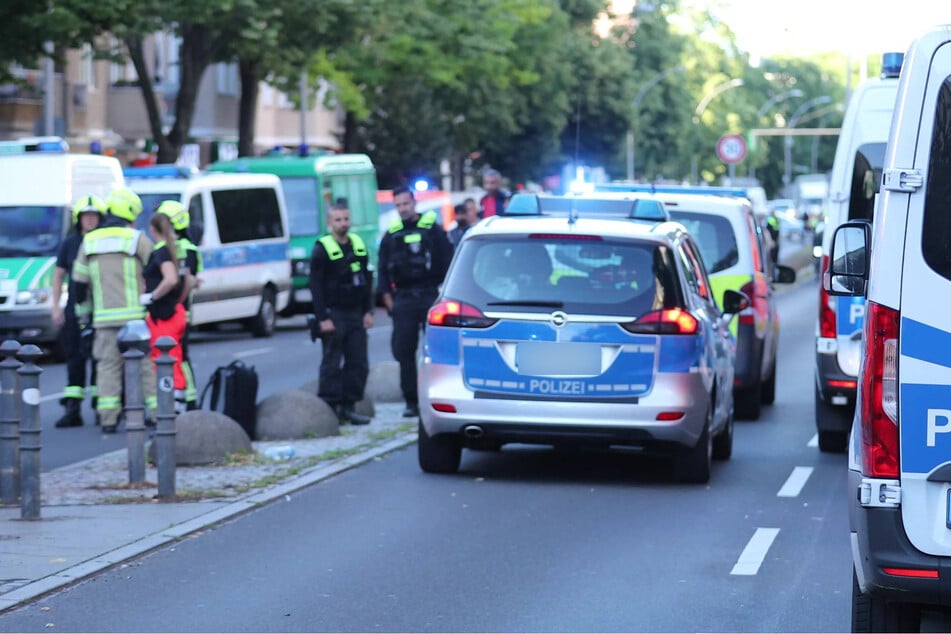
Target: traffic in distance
[{"x": 624, "y": 315}]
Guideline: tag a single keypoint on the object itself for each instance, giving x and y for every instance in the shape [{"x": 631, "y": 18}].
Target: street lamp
[
  {"x": 701, "y": 108},
  {"x": 772, "y": 101},
  {"x": 793, "y": 120},
  {"x": 636, "y": 103}
]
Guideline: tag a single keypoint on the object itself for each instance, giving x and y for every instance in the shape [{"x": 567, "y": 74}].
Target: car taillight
[
  {"x": 455, "y": 314},
  {"x": 826, "y": 305},
  {"x": 879, "y": 404},
  {"x": 671, "y": 321}
]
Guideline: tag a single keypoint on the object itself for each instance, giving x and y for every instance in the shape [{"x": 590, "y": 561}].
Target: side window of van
[
  {"x": 196, "y": 219},
  {"x": 866, "y": 175},
  {"x": 247, "y": 214},
  {"x": 936, "y": 234}
]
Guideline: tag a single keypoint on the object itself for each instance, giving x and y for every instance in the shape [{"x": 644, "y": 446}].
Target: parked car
[{"x": 569, "y": 321}]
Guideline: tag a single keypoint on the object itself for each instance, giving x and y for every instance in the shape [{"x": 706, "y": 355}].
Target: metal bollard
[
  {"x": 9, "y": 423},
  {"x": 134, "y": 343},
  {"x": 165, "y": 419},
  {"x": 30, "y": 433}
]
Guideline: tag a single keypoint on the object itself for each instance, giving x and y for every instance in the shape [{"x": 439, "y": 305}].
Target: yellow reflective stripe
[
  {"x": 151, "y": 402},
  {"x": 410, "y": 238},
  {"x": 108, "y": 402},
  {"x": 114, "y": 315},
  {"x": 97, "y": 301},
  {"x": 427, "y": 220},
  {"x": 130, "y": 275},
  {"x": 722, "y": 283},
  {"x": 334, "y": 252},
  {"x": 80, "y": 269},
  {"x": 73, "y": 391},
  {"x": 92, "y": 391},
  {"x": 191, "y": 390},
  {"x": 359, "y": 247},
  {"x": 396, "y": 226}
]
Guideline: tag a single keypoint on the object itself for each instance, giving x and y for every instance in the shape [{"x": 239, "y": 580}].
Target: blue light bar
[
  {"x": 44, "y": 144},
  {"x": 160, "y": 171},
  {"x": 587, "y": 206},
  {"x": 891, "y": 64}
]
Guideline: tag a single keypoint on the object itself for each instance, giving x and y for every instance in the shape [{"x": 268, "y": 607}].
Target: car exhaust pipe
[{"x": 473, "y": 432}]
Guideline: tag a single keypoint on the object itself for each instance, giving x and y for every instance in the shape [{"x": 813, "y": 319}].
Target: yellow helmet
[
  {"x": 88, "y": 203},
  {"x": 176, "y": 212},
  {"x": 124, "y": 203}
]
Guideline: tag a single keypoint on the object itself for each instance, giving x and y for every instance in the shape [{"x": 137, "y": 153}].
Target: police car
[
  {"x": 900, "y": 445},
  {"x": 856, "y": 174},
  {"x": 579, "y": 320}
]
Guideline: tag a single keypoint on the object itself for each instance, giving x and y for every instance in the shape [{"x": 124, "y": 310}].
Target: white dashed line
[
  {"x": 794, "y": 483},
  {"x": 755, "y": 552},
  {"x": 814, "y": 441},
  {"x": 253, "y": 352}
]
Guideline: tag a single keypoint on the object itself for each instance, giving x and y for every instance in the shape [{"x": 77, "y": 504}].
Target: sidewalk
[{"x": 91, "y": 519}]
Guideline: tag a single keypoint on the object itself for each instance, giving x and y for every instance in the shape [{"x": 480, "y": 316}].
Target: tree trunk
[
  {"x": 137, "y": 55},
  {"x": 349, "y": 133},
  {"x": 197, "y": 52},
  {"x": 247, "y": 108}
]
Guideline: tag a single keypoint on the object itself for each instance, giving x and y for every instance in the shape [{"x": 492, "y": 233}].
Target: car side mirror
[
  {"x": 783, "y": 274},
  {"x": 734, "y": 302},
  {"x": 848, "y": 260}
]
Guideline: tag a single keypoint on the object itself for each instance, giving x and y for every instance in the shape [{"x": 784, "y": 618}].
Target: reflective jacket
[
  {"x": 110, "y": 261},
  {"x": 414, "y": 254},
  {"x": 340, "y": 276}
]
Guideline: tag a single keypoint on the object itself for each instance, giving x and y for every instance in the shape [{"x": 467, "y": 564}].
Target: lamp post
[
  {"x": 793, "y": 120},
  {"x": 772, "y": 101},
  {"x": 636, "y": 103},
  {"x": 701, "y": 108}
]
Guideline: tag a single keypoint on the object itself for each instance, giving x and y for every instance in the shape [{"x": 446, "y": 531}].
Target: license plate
[{"x": 548, "y": 358}]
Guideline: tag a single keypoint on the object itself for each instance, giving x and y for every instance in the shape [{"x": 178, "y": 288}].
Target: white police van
[
  {"x": 856, "y": 173},
  {"x": 239, "y": 223},
  {"x": 900, "y": 447}
]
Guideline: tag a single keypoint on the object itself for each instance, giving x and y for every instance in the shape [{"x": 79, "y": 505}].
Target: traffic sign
[{"x": 731, "y": 148}]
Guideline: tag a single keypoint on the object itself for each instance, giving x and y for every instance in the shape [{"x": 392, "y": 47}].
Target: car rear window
[
  {"x": 714, "y": 237},
  {"x": 528, "y": 274}
]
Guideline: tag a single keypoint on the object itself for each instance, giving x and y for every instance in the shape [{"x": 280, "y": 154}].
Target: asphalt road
[{"x": 526, "y": 539}]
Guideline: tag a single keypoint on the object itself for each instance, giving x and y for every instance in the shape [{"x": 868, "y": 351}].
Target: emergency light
[
  {"x": 46, "y": 144},
  {"x": 160, "y": 171},
  {"x": 635, "y": 208},
  {"x": 891, "y": 64}
]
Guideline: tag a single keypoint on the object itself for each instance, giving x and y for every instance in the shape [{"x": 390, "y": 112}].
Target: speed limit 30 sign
[{"x": 731, "y": 148}]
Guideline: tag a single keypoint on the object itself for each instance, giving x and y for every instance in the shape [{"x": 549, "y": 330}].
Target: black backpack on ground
[{"x": 234, "y": 393}]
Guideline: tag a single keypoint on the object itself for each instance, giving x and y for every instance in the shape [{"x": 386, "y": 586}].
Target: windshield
[
  {"x": 552, "y": 272},
  {"x": 300, "y": 196},
  {"x": 30, "y": 231},
  {"x": 713, "y": 235}
]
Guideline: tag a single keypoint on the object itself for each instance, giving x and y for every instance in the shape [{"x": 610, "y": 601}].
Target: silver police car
[{"x": 579, "y": 320}]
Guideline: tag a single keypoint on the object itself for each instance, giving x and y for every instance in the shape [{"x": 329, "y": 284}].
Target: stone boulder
[
  {"x": 364, "y": 407},
  {"x": 383, "y": 384},
  {"x": 295, "y": 414},
  {"x": 204, "y": 437}
]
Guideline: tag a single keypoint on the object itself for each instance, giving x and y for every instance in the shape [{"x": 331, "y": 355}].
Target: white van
[
  {"x": 239, "y": 223},
  {"x": 856, "y": 173},
  {"x": 900, "y": 447},
  {"x": 39, "y": 183}
]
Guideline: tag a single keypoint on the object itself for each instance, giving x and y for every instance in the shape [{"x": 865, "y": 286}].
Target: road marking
[
  {"x": 814, "y": 441},
  {"x": 794, "y": 483},
  {"x": 253, "y": 352},
  {"x": 755, "y": 552}
]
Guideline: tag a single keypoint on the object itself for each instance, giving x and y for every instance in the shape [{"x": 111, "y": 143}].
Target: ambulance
[
  {"x": 900, "y": 445},
  {"x": 40, "y": 180}
]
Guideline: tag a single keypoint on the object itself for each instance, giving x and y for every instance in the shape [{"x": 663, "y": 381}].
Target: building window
[{"x": 228, "y": 82}]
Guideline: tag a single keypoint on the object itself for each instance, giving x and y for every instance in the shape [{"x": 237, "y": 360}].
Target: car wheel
[
  {"x": 874, "y": 614},
  {"x": 723, "y": 442},
  {"x": 768, "y": 388},
  {"x": 833, "y": 440},
  {"x": 263, "y": 324},
  {"x": 693, "y": 464},
  {"x": 441, "y": 454}
]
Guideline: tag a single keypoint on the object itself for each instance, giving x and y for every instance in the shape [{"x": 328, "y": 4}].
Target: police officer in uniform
[
  {"x": 109, "y": 268},
  {"x": 87, "y": 214},
  {"x": 414, "y": 257},
  {"x": 341, "y": 286}
]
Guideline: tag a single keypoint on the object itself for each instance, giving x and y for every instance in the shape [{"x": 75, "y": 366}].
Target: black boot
[
  {"x": 348, "y": 414},
  {"x": 73, "y": 416}
]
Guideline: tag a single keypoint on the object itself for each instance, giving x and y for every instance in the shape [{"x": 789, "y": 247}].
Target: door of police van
[{"x": 924, "y": 368}]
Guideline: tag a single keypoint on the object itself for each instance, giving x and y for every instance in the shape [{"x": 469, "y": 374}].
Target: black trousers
[
  {"x": 344, "y": 366},
  {"x": 409, "y": 317},
  {"x": 76, "y": 360}
]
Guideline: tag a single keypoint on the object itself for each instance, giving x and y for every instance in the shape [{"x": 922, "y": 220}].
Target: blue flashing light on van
[
  {"x": 160, "y": 171},
  {"x": 49, "y": 144},
  {"x": 891, "y": 64}
]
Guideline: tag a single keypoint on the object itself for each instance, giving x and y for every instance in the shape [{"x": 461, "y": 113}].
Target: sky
[{"x": 765, "y": 27}]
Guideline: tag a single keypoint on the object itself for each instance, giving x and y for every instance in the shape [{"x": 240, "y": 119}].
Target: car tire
[
  {"x": 831, "y": 440},
  {"x": 874, "y": 614},
  {"x": 693, "y": 464},
  {"x": 263, "y": 324},
  {"x": 441, "y": 454},
  {"x": 723, "y": 442},
  {"x": 768, "y": 388}
]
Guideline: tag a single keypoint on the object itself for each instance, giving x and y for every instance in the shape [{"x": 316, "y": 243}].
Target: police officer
[
  {"x": 341, "y": 286},
  {"x": 414, "y": 257},
  {"x": 772, "y": 228},
  {"x": 109, "y": 264},
  {"x": 87, "y": 214}
]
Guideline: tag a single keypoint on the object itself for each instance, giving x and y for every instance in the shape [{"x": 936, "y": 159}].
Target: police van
[
  {"x": 856, "y": 173},
  {"x": 40, "y": 180},
  {"x": 239, "y": 223},
  {"x": 900, "y": 446}
]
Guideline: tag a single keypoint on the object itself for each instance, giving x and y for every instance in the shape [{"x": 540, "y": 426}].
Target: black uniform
[
  {"x": 341, "y": 286},
  {"x": 76, "y": 358},
  {"x": 414, "y": 258}
]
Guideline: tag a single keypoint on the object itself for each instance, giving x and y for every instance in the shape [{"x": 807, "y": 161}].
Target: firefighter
[
  {"x": 109, "y": 267},
  {"x": 87, "y": 214}
]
